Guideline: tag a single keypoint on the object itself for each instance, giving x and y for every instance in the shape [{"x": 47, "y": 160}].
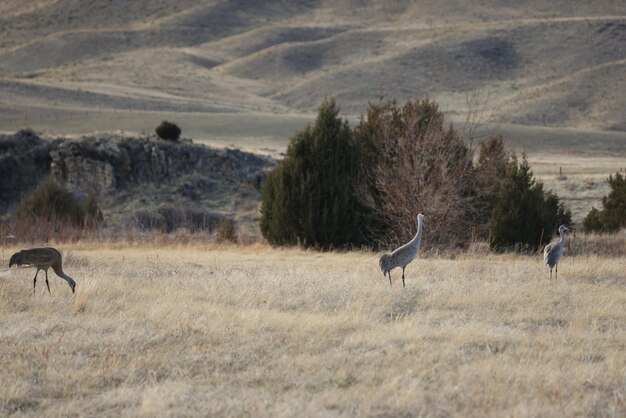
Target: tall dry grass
[{"x": 250, "y": 331}]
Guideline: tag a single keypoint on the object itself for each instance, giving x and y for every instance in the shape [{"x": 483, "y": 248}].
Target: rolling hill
[{"x": 558, "y": 65}]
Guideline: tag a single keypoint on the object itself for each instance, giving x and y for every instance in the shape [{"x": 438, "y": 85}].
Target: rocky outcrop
[
  {"x": 114, "y": 162},
  {"x": 131, "y": 175}
]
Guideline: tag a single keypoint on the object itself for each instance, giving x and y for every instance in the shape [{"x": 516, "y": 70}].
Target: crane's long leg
[
  {"x": 47, "y": 284},
  {"x": 35, "y": 281},
  {"x": 556, "y": 271},
  {"x": 403, "y": 286},
  {"x": 389, "y": 273},
  {"x": 550, "y": 273}
]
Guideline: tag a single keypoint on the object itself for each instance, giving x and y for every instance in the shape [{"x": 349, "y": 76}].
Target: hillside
[{"x": 66, "y": 65}]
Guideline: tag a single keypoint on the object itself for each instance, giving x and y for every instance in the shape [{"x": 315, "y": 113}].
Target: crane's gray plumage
[
  {"x": 552, "y": 252},
  {"x": 402, "y": 256},
  {"x": 42, "y": 259}
]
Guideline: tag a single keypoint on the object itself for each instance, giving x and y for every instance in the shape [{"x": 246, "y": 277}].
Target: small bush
[
  {"x": 614, "y": 205},
  {"x": 612, "y": 217},
  {"x": 592, "y": 222},
  {"x": 49, "y": 212},
  {"x": 168, "y": 131},
  {"x": 227, "y": 231},
  {"x": 93, "y": 214},
  {"x": 52, "y": 201}
]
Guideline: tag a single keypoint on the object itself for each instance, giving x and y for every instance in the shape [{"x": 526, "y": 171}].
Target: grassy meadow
[{"x": 252, "y": 331}]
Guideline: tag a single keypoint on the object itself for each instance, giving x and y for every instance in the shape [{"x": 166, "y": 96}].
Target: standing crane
[
  {"x": 42, "y": 259},
  {"x": 401, "y": 257},
  {"x": 552, "y": 252}
]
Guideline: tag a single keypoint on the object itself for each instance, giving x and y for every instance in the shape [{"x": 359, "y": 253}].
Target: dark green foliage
[
  {"x": 168, "y": 131},
  {"x": 612, "y": 217},
  {"x": 51, "y": 203},
  {"x": 523, "y": 213},
  {"x": 491, "y": 171},
  {"x": 613, "y": 213},
  {"x": 311, "y": 196},
  {"x": 592, "y": 222}
]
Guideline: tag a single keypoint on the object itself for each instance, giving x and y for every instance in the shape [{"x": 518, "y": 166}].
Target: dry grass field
[{"x": 252, "y": 331}]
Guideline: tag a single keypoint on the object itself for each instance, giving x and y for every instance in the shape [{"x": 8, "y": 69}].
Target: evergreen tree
[
  {"x": 612, "y": 217},
  {"x": 613, "y": 214},
  {"x": 592, "y": 222},
  {"x": 311, "y": 197},
  {"x": 524, "y": 213},
  {"x": 491, "y": 171}
]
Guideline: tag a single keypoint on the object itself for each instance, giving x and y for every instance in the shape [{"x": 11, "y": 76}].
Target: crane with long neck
[
  {"x": 553, "y": 252},
  {"x": 42, "y": 259},
  {"x": 402, "y": 256}
]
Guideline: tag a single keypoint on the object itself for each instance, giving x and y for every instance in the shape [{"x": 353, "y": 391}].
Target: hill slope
[{"x": 558, "y": 65}]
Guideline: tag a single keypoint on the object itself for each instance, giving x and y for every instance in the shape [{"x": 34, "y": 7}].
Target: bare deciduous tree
[{"x": 417, "y": 164}]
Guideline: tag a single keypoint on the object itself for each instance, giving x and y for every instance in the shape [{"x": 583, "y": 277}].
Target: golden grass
[{"x": 251, "y": 331}]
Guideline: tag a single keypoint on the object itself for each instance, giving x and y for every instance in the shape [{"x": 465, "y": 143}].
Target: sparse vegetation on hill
[{"x": 542, "y": 65}]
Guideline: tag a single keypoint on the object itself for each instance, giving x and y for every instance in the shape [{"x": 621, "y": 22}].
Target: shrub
[
  {"x": 168, "y": 131},
  {"x": 612, "y": 217},
  {"x": 169, "y": 218},
  {"x": 51, "y": 201},
  {"x": 227, "y": 231},
  {"x": 93, "y": 214},
  {"x": 613, "y": 213},
  {"x": 310, "y": 198},
  {"x": 49, "y": 212},
  {"x": 414, "y": 163},
  {"x": 523, "y": 213},
  {"x": 592, "y": 222}
]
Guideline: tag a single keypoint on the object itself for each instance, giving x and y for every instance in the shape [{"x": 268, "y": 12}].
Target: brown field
[{"x": 251, "y": 331}]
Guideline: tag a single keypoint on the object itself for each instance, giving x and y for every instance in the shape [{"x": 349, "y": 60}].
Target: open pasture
[{"x": 252, "y": 331}]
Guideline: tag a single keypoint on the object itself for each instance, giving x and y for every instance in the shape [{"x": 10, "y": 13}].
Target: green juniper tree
[
  {"x": 311, "y": 197},
  {"x": 612, "y": 217},
  {"x": 523, "y": 213}
]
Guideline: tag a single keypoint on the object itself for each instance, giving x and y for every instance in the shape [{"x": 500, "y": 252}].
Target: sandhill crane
[
  {"x": 42, "y": 259},
  {"x": 401, "y": 257},
  {"x": 552, "y": 252}
]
